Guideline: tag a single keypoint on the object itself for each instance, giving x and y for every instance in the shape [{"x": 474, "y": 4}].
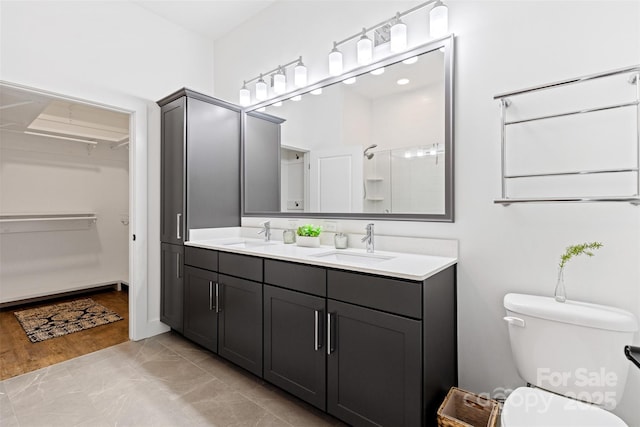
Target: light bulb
[
  {"x": 349, "y": 81},
  {"x": 300, "y": 74},
  {"x": 245, "y": 95},
  {"x": 377, "y": 71},
  {"x": 398, "y": 36},
  {"x": 403, "y": 81},
  {"x": 261, "y": 89},
  {"x": 438, "y": 20},
  {"x": 316, "y": 91},
  {"x": 335, "y": 61},
  {"x": 279, "y": 82},
  {"x": 365, "y": 49}
]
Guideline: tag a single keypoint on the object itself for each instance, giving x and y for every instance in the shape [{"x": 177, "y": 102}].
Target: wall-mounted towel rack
[
  {"x": 29, "y": 222},
  {"x": 506, "y": 101}
]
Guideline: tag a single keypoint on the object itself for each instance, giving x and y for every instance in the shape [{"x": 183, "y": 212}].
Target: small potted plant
[
  {"x": 308, "y": 235},
  {"x": 572, "y": 251}
]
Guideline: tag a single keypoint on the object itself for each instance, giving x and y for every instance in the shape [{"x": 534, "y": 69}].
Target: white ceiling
[{"x": 209, "y": 18}]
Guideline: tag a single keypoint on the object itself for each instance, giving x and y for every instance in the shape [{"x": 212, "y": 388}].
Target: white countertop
[{"x": 399, "y": 265}]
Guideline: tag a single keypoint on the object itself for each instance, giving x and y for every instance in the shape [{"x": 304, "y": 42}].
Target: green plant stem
[{"x": 575, "y": 250}]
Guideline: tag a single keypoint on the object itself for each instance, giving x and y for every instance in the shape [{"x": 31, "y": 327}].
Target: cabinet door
[
  {"x": 200, "y": 316},
  {"x": 213, "y": 156},
  {"x": 240, "y": 322},
  {"x": 294, "y": 351},
  {"x": 172, "y": 139},
  {"x": 171, "y": 284},
  {"x": 374, "y": 370}
]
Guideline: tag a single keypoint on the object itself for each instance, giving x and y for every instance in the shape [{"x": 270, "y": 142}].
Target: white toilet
[{"x": 571, "y": 353}]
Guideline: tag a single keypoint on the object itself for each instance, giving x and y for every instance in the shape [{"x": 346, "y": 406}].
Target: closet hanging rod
[
  {"x": 570, "y": 81},
  {"x": 573, "y": 113},
  {"x": 587, "y": 172}
]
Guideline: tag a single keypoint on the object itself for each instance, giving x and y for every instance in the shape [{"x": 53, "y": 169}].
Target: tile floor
[{"x": 161, "y": 381}]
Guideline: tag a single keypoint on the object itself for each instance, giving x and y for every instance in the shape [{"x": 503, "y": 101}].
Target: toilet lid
[{"x": 529, "y": 407}]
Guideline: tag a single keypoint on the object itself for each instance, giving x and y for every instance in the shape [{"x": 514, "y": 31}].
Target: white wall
[
  {"x": 42, "y": 175},
  {"x": 117, "y": 54},
  {"x": 500, "y": 46}
]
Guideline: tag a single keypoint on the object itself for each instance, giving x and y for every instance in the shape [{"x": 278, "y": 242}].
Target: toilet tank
[{"x": 573, "y": 348}]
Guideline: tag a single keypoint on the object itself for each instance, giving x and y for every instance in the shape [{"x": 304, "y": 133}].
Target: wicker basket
[{"x": 464, "y": 409}]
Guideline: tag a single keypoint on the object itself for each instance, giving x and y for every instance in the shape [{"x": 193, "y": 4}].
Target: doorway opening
[{"x": 65, "y": 185}]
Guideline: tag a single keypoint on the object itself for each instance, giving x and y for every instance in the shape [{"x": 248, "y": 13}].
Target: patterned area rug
[{"x": 52, "y": 321}]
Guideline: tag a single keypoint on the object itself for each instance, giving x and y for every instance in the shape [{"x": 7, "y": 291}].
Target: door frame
[{"x": 144, "y": 301}]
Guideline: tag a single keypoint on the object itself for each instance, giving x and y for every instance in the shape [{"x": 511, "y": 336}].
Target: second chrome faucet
[
  {"x": 369, "y": 237},
  {"x": 266, "y": 229}
]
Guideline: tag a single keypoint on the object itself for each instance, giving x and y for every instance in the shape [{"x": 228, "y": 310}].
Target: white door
[{"x": 335, "y": 180}]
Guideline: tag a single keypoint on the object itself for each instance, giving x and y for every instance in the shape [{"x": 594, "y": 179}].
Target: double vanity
[{"x": 369, "y": 338}]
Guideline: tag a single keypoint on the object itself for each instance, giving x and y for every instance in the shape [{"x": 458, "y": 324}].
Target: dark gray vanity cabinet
[
  {"x": 295, "y": 329},
  {"x": 172, "y": 290},
  {"x": 373, "y": 367},
  {"x": 200, "y": 164},
  {"x": 401, "y": 334},
  {"x": 199, "y": 179},
  {"x": 201, "y": 291},
  {"x": 172, "y": 178},
  {"x": 200, "y": 307},
  {"x": 240, "y": 322},
  {"x": 240, "y": 310},
  {"x": 294, "y": 343}
]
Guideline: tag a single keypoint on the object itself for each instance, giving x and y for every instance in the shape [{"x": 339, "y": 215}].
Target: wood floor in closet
[{"x": 18, "y": 355}]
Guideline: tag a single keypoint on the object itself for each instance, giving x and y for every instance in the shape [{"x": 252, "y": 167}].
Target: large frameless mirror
[{"x": 374, "y": 143}]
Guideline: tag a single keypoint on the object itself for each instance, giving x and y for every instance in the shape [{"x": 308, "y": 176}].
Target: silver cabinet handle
[
  {"x": 210, "y": 295},
  {"x": 316, "y": 346},
  {"x": 178, "y": 222},
  {"x": 218, "y": 298}
]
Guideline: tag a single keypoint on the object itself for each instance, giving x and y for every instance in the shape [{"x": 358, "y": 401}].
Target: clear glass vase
[{"x": 560, "y": 293}]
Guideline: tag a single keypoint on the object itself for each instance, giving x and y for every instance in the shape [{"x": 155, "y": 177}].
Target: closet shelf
[{"x": 21, "y": 223}]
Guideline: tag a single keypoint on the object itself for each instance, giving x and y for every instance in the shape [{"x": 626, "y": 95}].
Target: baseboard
[{"x": 61, "y": 295}]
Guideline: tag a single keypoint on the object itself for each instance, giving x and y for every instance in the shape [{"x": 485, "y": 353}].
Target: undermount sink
[
  {"x": 357, "y": 258},
  {"x": 248, "y": 243}
]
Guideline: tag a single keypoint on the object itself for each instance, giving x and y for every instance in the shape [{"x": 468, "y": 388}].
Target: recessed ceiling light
[
  {"x": 261, "y": 109},
  {"x": 411, "y": 60},
  {"x": 316, "y": 91},
  {"x": 349, "y": 81},
  {"x": 403, "y": 82},
  {"x": 277, "y": 104},
  {"x": 296, "y": 98},
  {"x": 378, "y": 71}
]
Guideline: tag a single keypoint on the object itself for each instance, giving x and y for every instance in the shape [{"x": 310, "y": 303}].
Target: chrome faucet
[
  {"x": 369, "y": 238},
  {"x": 266, "y": 229}
]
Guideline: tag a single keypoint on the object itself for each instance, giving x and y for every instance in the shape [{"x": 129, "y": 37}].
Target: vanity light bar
[
  {"x": 438, "y": 26},
  {"x": 279, "y": 79}
]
